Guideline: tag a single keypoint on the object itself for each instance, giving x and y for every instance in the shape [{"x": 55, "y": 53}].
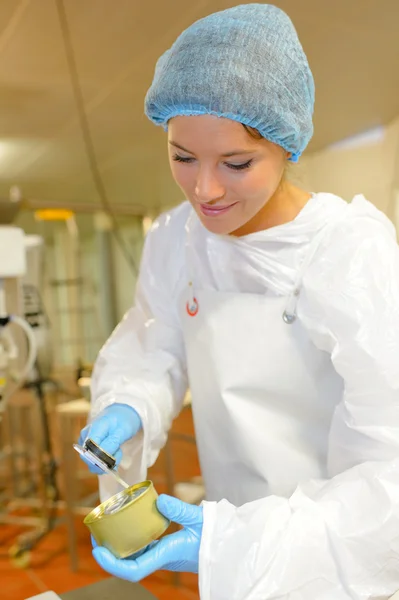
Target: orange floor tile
[{"x": 49, "y": 567}]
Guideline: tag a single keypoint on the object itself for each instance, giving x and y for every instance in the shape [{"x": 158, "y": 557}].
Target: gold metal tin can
[{"x": 127, "y": 522}]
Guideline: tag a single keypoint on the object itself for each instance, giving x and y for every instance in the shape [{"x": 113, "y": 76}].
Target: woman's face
[{"x": 226, "y": 174}]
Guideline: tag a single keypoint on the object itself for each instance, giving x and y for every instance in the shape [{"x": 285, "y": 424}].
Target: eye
[
  {"x": 240, "y": 167},
  {"x": 182, "y": 159}
]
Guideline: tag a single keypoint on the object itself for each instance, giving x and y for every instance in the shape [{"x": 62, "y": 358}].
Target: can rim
[{"x": 99, "y": 514}]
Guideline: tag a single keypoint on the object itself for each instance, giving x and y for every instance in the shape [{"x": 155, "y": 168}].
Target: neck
[{"x": 283, "y": 207}]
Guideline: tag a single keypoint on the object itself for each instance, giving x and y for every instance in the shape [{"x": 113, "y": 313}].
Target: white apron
[{"x": 263, "y": 395}]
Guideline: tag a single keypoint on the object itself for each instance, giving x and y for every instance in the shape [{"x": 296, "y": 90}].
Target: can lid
[
  {"x": 94, "y": 455},
  {"x": 119, "y": 501},
  {"x": 99, "y": 453}
]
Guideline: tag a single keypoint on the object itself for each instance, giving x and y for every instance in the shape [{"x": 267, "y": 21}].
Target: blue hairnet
[{"x": 245, "y": 64}]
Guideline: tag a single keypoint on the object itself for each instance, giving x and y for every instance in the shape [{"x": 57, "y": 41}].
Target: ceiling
[{"x": 352, "y": 46}]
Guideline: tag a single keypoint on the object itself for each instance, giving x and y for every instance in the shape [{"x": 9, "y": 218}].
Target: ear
[{"x": 289, "y": 154}]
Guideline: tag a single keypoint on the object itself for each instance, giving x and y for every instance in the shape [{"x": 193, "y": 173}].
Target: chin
[
  {"x": 215, "y": 225},
  {"x": 218, "y": 224}
]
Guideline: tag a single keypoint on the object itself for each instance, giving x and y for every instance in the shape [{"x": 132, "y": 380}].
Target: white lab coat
[{"x": 332, "y": 530}]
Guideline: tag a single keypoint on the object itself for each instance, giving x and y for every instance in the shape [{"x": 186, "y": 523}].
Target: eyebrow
[{"x": 226, "y": 155}]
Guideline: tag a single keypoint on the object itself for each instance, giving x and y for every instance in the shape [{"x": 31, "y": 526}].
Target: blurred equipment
[
  {"x": 27, "y": 466},
  {"x": 34, "y": 310},
  {"x": 20, "y": 276},
  {"x": 78, "y": 321},
  {"x": 72, "y": 416},
  {"x": 12, "y": 266}
]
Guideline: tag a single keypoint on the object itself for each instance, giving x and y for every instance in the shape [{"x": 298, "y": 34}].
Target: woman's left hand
[{"x": 176, "y": 552}]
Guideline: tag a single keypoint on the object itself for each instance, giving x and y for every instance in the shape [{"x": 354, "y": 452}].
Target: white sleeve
[
  {"x": 335, "y": 539},
  {"x": 143, "y": 362}
]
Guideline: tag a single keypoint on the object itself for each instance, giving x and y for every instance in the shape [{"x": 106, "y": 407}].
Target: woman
[{"x": 280, "y": 309}]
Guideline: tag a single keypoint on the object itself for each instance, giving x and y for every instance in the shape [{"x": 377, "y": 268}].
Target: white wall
[{"x": 371, "y": 170}]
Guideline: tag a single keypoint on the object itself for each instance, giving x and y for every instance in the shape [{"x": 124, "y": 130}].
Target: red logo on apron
[{"x": 192, "y": 307}]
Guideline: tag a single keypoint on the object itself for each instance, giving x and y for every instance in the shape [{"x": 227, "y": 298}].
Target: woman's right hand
[{"x": 110, "y": 429}]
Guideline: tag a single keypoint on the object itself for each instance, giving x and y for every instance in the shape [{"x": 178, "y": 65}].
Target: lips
[{"x": 215, "y": 211}]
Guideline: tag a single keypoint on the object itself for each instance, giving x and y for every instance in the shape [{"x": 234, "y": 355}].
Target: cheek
[
  {"x": 254, "y": 185},
  {"x": 264, "y": 179},
  {"x": 183, "y": 176}
]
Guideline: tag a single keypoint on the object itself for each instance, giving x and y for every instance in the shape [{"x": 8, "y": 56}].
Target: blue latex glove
[
  {"x": 176, "y": 552},
  {"x": 114, "y": 425}
]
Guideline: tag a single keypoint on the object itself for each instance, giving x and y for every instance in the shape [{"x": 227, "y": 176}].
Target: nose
[{"x": 208, "y": 188}]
